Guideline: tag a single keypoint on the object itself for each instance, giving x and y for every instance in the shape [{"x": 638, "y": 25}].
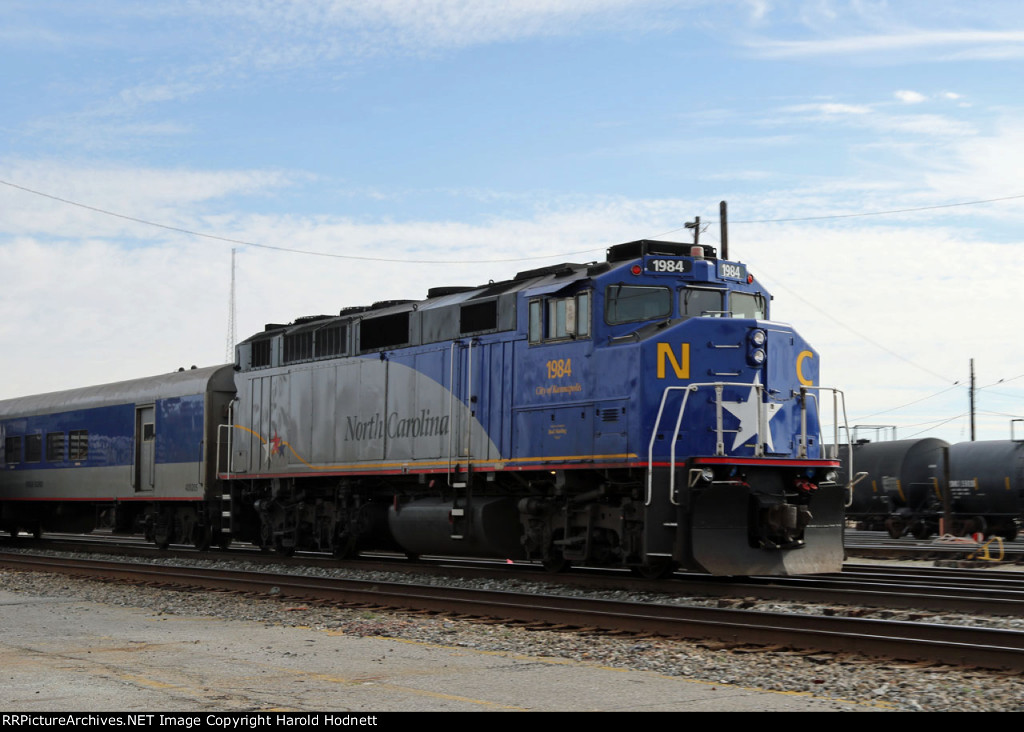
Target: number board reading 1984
[
  {"x": 732, "y": 271},
  {"x": 678, "y": 266}
]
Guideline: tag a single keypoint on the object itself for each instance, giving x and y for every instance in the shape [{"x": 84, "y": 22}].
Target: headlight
[{"x": 756, "y": 344}]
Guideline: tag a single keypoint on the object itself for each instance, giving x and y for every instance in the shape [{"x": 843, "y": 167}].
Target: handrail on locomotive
[{"x": 806, "y": 393}]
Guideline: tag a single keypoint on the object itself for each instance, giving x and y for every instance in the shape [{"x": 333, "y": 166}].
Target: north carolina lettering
[{"x": 395, "y": 426}]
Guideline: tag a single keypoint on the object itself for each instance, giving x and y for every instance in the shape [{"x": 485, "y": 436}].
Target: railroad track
[
  {"x": 928, "y": 589},
  {"x": 879, "y": 545},
  {"x": 947, "y": 644}
]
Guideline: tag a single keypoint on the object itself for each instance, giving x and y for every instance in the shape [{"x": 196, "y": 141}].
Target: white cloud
[
  {"x": 979, "y": 40},
  {"x": 984, "y": 166},
  {"x": 830, "y": 108},
  {"x": 330, "y": 30},
  {"x": 909, "y": 97}
]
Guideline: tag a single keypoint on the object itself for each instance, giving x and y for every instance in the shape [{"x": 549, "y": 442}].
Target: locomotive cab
[{"x": 723, "y": 412}]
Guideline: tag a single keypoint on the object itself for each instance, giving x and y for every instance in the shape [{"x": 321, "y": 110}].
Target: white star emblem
[{"x": 746, "y": 413}]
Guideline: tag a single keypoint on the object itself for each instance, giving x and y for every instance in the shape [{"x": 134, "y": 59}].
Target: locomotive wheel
[
  {"x": 202, "y": 538},
  {"x": 344, "y": 547},
  {"x": 280, "y": 548},
  {"x": 555, "y": 563},
  {"x": 655, "y": 569},
  {"x": 264, "y": 540}
]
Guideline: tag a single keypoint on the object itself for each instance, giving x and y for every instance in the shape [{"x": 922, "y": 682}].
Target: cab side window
[{"x": 560, "y": 318}]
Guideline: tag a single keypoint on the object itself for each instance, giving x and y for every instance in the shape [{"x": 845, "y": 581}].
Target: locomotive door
[
  {"x": 145, "y": 442},
  {"x": 459, "y": 386},
  {"x": 480, "y": 378}
]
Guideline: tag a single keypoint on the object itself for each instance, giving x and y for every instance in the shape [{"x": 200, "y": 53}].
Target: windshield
[
  {"x": 628, "y": 303},
  {"x": 747, "y": 305},
  {"x": 695, "y": 302}
]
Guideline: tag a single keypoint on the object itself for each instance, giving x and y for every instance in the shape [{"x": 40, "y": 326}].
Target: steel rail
[
  {"x": 971, "y": 646},
  {"x": 881, "y": 586}
]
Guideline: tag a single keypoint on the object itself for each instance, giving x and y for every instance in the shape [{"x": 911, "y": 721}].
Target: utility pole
[
  {"x": 695, "y": 225},
  {"x": 229, "y": 350},
  {"x": 971, "y": 392}
]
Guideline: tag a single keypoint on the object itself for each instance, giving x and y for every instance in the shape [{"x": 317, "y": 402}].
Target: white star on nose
[{"x": 746, "y": 413}]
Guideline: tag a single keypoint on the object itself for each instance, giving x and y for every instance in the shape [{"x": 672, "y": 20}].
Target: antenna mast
[{"x": 229, "y": 350}]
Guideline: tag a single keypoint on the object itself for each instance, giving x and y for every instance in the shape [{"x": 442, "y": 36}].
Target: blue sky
[{"x": 413, "y": 143}]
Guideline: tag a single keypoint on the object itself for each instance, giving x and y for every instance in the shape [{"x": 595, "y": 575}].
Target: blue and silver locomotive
[{"x": 641, "y": 412}]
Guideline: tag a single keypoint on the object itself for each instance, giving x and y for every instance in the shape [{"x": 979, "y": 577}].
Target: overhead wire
[
  {"x": 903, "y": 406},
  {"x": 857, "y": 333},
  {"x": 241, "y": 242},
  {"x": 841, "y": 324},
  {"x": 933, "y": 425}
]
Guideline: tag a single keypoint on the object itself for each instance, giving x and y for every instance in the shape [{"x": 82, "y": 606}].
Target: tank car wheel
[
  {"x": 412, "y": 556},
  {"x": 654, "y": 570},
  {"x": 1009, "y": 534},
  {"x": 920, "y": 530},
  {"x": 895, "y": 526},
  {"x": 976, "y": 525}
]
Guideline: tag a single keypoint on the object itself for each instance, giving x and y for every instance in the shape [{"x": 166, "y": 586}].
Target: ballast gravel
[{"x": 897, "y": 686}]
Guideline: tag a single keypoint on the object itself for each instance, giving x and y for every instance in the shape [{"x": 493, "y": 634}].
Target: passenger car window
[
  {"x": 12, "y": 450},
  {"x": 79, "y": 445}
]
